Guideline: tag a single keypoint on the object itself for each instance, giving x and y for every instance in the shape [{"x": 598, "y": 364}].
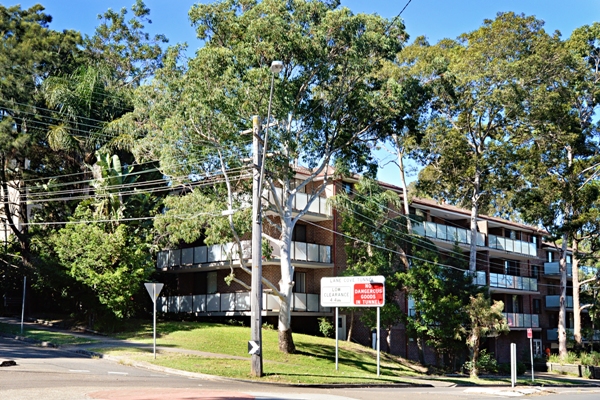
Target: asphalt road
[{"x": 52, "y": 374}]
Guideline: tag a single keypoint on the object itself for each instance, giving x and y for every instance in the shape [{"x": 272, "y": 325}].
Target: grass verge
[{"x": 40, "y": 335}]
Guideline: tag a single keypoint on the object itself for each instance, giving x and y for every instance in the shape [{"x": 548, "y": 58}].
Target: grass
[
  {"x": 40, "y": 335},
  {"x": 314, "y": 361}
]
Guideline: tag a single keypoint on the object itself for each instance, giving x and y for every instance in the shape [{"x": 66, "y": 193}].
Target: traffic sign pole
[
  {"x": 378, "y": 339},
  {"x": 153, "y": 290},
  {"x": 336, "y": 338},
  {"x": 530, "y": 336}
]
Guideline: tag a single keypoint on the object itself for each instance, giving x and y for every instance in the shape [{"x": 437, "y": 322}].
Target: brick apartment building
[{"x": 513, "y": 261}]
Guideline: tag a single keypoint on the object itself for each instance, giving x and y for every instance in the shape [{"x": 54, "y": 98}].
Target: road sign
[
  {"x": 153, "y": 290},
  {"x": 353, "y": 291},
  {"x": 529, "y": 333},
  {"x": 253, "y": 347}
]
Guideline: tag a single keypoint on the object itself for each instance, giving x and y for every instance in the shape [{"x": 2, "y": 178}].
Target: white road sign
[
  {"x": 353, "y": 291},
  {"x": 153, "y": 290}
]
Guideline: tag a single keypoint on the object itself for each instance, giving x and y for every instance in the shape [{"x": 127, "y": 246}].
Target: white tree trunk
[
  {"x": 286, "y": 285},
  {"x": 473, "y": 226},
  {"x": 562, "y": 313},
  {"x": 576, "y": 289}
]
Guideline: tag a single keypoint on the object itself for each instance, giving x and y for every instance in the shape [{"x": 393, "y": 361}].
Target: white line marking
[
  {"x": 117, "y": 373},
  {"x": 78, "y": 370}
]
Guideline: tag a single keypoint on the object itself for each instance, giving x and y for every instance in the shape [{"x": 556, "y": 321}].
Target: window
[
  {"x": 537, "y": 306},
  {"x": 535, "y": 271},
  {"x": 211, "y": 282},
  {"x": 347, "y": 187},
  {"x": 299, "y": 282},
  {"x": 549, "y": 256},
  {"x": 299, "y": 233},
  {"x": 511, "y": 267}
]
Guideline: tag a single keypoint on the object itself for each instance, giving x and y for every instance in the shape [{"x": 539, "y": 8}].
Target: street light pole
[
  {"x": 258, "y": 160},
  {"x": 256, "y": 288}
]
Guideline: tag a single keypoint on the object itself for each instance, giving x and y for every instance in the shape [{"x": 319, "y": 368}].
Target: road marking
[
  {"x": 117, "y": 373},
  {"x": 78, "y": 370}
]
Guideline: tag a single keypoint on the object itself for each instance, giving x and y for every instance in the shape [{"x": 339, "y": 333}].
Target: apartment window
[
  {"x": 549, "y": 256},
  {"x": 569, "y": 259},
  {"x": 299, "y": 282},
  {"x": 509, "y": 233},
  {"x": 211, "y": 282},
  {"x": 299, "y": 233},
  {"x": 511, "y": 267},
  {"x": 347, "y": 187},
  {"x": 535, "y": 271},
  {"x": 537, "y": 306}
]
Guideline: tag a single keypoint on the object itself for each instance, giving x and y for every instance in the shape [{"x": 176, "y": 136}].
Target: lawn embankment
[
  {"x": 43, "y": 336},
  {"x": 314, "y": 361}
]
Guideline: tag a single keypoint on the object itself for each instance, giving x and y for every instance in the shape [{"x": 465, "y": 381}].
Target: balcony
[
  {"x": 552, "y": 335},
  {"x": 218, "y": 253},
  {"x": 516, "y": 320},
  {"x": 513, "y": 282},
  {"x": 448, "y": 233},
  {"x": 553, "y": 269},
  {"x": 553, "y": 301},
  {"x": 318, "y": 207},
  {"x": 503, "y": 281},
  {"x": 512, "y": 246},
  {"x": 235, "y": 303}
]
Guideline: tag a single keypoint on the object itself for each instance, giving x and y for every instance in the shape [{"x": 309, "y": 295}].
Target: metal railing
[
  {"x": 552, "y": 334},
  {"x": 553, "y": 268},
  {"x": 224, "y": 252},
  {"x": 512, "y": 245},
  {"x": 234, "y": 302},
  {"x": 513, "y": 282},
  {"x": 448, "y": 233},
  {"x": 516, "y": 320},
  {"x": 318, "y": 206},
  {"x": 553, "y": 301}
]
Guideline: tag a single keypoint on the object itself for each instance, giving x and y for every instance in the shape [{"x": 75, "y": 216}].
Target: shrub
[
  {"x": 504, "y": 368},
  {"x": 485, "y": 363},
  {"x": 326, "y": 327}
]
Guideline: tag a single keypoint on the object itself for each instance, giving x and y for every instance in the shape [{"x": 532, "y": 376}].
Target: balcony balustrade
[
  {"x": 553, "y": 269},
  {"x": 318, "y": 206},
  {"x": 512, "y": 245},
  {"x": 301, "y": 251},
  {"x": 235, "y": 302},
  {"x": 553, "y": 301},
  {"x": 516, "y": 320},
  {"x": 444, "y": 232},
  {"x": 552, "y": 335},
  {"x": 506, "y": 281}
]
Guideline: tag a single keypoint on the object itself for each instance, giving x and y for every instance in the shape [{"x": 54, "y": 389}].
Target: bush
[
  {"x": 485, "y": 363},
  {"x": 326, "y": 327},
  {"x": 504, "y": 368}
]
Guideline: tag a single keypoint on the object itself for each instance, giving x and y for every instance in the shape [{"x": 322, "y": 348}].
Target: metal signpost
[
  {"x": 153, "y": 290},
  {"x": 530, "y": 336},
  {"x": 354, "y": 291},
  {"x": 513, "y": 364}
]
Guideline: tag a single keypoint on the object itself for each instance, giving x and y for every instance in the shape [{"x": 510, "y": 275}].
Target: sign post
[
  {"x": 530, "y": 336},
  {"x": 354, "y": 291},
  {"x": 153, "y": 290}
]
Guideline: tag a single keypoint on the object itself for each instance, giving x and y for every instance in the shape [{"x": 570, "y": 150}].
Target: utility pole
[{"x": 255, "y": 345}]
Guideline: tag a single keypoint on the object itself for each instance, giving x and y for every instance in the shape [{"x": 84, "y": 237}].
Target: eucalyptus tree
[
  {"x": 559, "y": 152},
  {"x": 30, "y": 52},
  {"x": 326, "y": 104},
  {"x": 474, "y": 111},
  {"x": 375, "y": 240}
]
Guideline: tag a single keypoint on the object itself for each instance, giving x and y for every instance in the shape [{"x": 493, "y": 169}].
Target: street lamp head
[{"x": 276, "y": 67}]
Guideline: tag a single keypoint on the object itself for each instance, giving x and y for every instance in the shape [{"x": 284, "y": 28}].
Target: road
[{"x": 53, "y": 374}]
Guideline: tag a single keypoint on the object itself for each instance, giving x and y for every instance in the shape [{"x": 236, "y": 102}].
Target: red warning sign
[{"x": 368, "y": 294}]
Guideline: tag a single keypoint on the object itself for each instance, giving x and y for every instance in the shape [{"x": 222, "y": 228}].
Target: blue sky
[{"x": 435, "y": 19}]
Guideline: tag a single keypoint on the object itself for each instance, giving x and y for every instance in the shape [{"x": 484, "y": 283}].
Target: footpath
[{"x": 98, "y": 342}]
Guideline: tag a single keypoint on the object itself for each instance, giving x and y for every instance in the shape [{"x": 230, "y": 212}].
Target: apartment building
[{"x": 513, "y": 261}]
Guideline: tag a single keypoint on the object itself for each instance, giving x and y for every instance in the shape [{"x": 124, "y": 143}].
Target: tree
[
  {"x": 441, "y": 287},
  {"x": 375, "y": 238},
  {"x": 559, "y": 152},
  {"x": 30, "y": 52},
  {"x": 326, "y": 102},
  {"x": 485, "y": 319},
  {"x": 474, "y": 112},
  {"x": 111, "y": 259}
]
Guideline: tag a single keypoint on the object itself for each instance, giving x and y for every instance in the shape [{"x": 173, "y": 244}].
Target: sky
[{"x": 434, "y": 19}]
